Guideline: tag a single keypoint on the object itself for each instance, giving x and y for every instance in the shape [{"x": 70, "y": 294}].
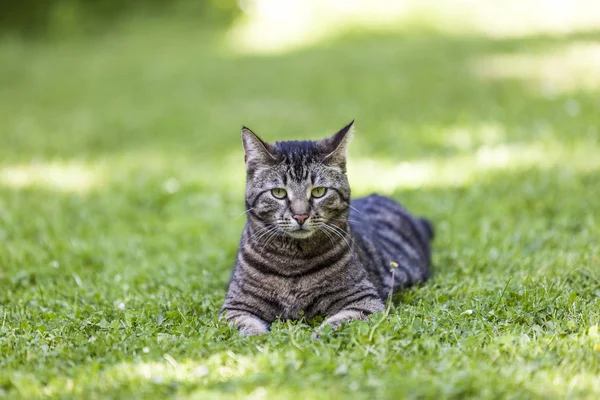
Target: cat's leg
[
  {"x": 359, "y": 310},
  {"x": 344, "y": 316},
  {"x": 248, "y": 324}
]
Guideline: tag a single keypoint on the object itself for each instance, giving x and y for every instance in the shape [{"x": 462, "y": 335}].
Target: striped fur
[{"x": 337, "y": 263}]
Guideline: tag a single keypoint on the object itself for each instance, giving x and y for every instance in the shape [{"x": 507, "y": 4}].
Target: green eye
[
  {"x": 318, "y": 192},
  {"x": 279, "y": 193}
]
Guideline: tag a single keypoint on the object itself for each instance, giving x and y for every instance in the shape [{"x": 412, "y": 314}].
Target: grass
[{"x": 121, "y": 183}]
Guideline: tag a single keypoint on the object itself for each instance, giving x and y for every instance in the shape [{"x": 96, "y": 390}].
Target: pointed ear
[
  {"x": 255, "y": 150},
  {"x": 335, "y": 147}
]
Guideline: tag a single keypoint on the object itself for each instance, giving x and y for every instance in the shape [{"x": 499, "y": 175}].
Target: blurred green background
[{"x": 122, "y": 183}]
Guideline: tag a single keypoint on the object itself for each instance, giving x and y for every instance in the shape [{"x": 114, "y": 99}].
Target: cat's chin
[{"x": 300, "y": 234}]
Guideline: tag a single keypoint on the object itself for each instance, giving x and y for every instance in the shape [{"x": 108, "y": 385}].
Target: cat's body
[
  {"x": 387, "y": 236},
  {"x": 307, "y": 250}
]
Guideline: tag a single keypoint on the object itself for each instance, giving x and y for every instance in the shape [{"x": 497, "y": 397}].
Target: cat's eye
[
  {"x": 279, "y": 193},
  {"x": 318, "y": 192}
]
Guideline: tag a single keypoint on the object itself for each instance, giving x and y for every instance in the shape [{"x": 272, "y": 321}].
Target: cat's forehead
[
  {"x": 298, "y": 160},
  {"x": 298, "y": 151},
  {"x": 297, "y": 163}
]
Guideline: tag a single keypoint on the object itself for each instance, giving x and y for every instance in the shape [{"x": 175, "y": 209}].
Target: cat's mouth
[{"x": 300, "y": 233}]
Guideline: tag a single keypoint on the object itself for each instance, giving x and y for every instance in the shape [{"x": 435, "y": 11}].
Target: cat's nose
[{"x": 300, "y": 218}]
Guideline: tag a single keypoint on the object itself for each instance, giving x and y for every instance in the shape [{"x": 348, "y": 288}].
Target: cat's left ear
[
  {"x": 256, "y": 151},
  {"x": 335, "y": 146}
]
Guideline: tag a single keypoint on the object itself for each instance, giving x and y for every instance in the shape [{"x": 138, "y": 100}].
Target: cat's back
[{"x": 387, "y": 234}]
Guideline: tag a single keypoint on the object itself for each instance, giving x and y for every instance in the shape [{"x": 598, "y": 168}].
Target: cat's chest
[
  {"x": 292, "y": 297},
  {"x": 297, "y": 298}
]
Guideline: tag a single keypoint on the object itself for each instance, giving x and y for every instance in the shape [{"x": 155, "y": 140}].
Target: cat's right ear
[
  {"x": 335, "y": 146},
  {"x": 255, "y": 150}
]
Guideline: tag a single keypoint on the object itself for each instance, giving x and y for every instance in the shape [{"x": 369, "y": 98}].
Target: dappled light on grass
[
  {"x": 217, "y": 368},
  {"x": 274, "y": 26},
  {"x": 469, "y": 138},
  {"x": 279, "y": 26},
  {"x": 168, "y": 371},
  {"x": 206, "y": 376},
  {"x": 479, "y": 151},
  {"x": 575, "y": 66},
  {"x": 370, "y": 174},
  {"x": 67, "y": 177},
  {"x": 262, "y": 372},
  {"x": 177, "y": 171},
  {"x": 548, "y": 383},
  {"x": 510, "y": 18}
]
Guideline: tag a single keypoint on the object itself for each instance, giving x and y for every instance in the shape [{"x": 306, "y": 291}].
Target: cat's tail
[{"x": 428, "y": 226}]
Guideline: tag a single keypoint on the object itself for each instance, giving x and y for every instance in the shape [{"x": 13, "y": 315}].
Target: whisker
[
  {"x": 342, "y": 232},
  {"x": 357, "y": 210},
  {"x": 273, "y": 236},
  {"x": 260, "y": 248},
  {"x": 334, "y": 230},
  {"x": 259, "y": 230},
  {"x": 339, "y": 236},
  {"x": 251, "y": 235},
  {"x": 326, "y": 234},
  {"x": 347, "y": 219},
  {"x": 264, "y": 232},
  {"x": 245, "y": 212}
]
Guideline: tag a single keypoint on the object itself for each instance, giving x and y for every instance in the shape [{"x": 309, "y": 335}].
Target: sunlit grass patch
[
  {"x": 59, "y": 176},
  {"x": 463, "y": 169},
  {"x": 272, "y": 26},
  {"x": 558, "y": 71},
  {"x": 512, "y": 18},
  {"x": 282, "y": 26}
]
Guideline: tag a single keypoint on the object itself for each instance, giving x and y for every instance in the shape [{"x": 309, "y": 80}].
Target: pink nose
[{"x": 300, "y": 218}]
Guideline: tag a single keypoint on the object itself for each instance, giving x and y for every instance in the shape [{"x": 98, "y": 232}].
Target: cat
[{"x": 307, "y": 249}]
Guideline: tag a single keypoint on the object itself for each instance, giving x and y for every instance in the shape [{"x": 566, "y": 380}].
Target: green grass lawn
[{"x": 121, "y": 189}]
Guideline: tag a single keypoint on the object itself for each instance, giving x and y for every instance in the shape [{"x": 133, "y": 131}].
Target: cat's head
[{"x": 297, "y": 187}]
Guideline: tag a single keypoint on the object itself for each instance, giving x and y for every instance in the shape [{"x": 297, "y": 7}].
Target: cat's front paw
[
  {"x": 334, "y": 322},
  {"x": 250, "y": 325},
  {"x": 344, "y": 316}
]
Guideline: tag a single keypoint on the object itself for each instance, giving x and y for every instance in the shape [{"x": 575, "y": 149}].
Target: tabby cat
[{"x": 307, "y": 249}]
